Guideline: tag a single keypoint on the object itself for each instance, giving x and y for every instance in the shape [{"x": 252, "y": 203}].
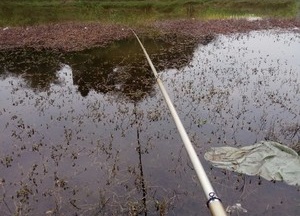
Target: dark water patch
[
  {"x": 36, "y": 68},
  {"x": 122, "y": 66},
  {"x": 119, "y": 68}
]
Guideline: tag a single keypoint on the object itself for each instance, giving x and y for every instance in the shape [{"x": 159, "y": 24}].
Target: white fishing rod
[{"x": 213, "y": 202}]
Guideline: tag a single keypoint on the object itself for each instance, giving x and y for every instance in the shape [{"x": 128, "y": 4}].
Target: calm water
[{"x": 88, "y": 133}]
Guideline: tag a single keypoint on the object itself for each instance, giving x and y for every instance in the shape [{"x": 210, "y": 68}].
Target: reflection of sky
[
  {"x": 65, "y": 76},
  {"x": 258, "y": 49},
  {"x": 243, "y": 81}
]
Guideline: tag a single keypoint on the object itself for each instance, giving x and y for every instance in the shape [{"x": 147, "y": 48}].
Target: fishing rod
[{"x": 213, "y": 201}]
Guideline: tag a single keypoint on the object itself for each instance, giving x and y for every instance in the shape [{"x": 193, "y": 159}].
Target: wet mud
[{"x": 79, "y": 36}]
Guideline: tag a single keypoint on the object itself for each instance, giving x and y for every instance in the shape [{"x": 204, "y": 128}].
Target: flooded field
[{"x": 88, "y": 133}]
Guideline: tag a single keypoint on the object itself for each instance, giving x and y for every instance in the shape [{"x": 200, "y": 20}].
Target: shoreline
[{"x": 75, "y": 36}]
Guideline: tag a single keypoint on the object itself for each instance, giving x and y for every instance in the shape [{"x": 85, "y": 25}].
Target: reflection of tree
[
  {"x": 105, "y": 74},
  {"x": 37, "y": 68},
  {"x": 122, "y": 68}
]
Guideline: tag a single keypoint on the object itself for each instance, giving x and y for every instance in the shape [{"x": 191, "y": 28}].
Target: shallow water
[{"x": 89, "y": 132}]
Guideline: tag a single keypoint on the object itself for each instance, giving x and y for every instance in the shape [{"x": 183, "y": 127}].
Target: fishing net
[{"x": 270, "y": 160}]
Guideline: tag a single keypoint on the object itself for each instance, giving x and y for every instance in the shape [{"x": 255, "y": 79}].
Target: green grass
[{"x": 30, "y": 12}]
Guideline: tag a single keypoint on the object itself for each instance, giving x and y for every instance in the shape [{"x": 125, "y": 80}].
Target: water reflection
[
  {"x": 120, "y": 68},
  {"x": 95, "y": 137},
  {"x": 106, "y": 71},
  {"x": 65, "y": 76},
  {"x": 37, "y": 68}
]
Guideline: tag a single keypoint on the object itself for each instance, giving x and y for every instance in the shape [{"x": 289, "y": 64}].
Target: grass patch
[{"x": 30, "y": 12}]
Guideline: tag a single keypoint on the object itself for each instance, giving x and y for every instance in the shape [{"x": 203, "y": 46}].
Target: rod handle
[{"x": 216, "y": 208}]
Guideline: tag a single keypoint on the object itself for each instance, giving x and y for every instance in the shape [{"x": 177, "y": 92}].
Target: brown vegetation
[{"x": 78, "y": 36}]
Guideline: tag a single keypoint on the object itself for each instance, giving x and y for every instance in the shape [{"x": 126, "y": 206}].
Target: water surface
[{"x": 89, "y": 133}]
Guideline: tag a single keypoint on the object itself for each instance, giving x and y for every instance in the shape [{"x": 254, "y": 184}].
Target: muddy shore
[{"x": 78, "y": 36}]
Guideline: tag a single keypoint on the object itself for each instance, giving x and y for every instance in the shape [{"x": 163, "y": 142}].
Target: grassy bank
[{"x": 29, "y": 12}]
